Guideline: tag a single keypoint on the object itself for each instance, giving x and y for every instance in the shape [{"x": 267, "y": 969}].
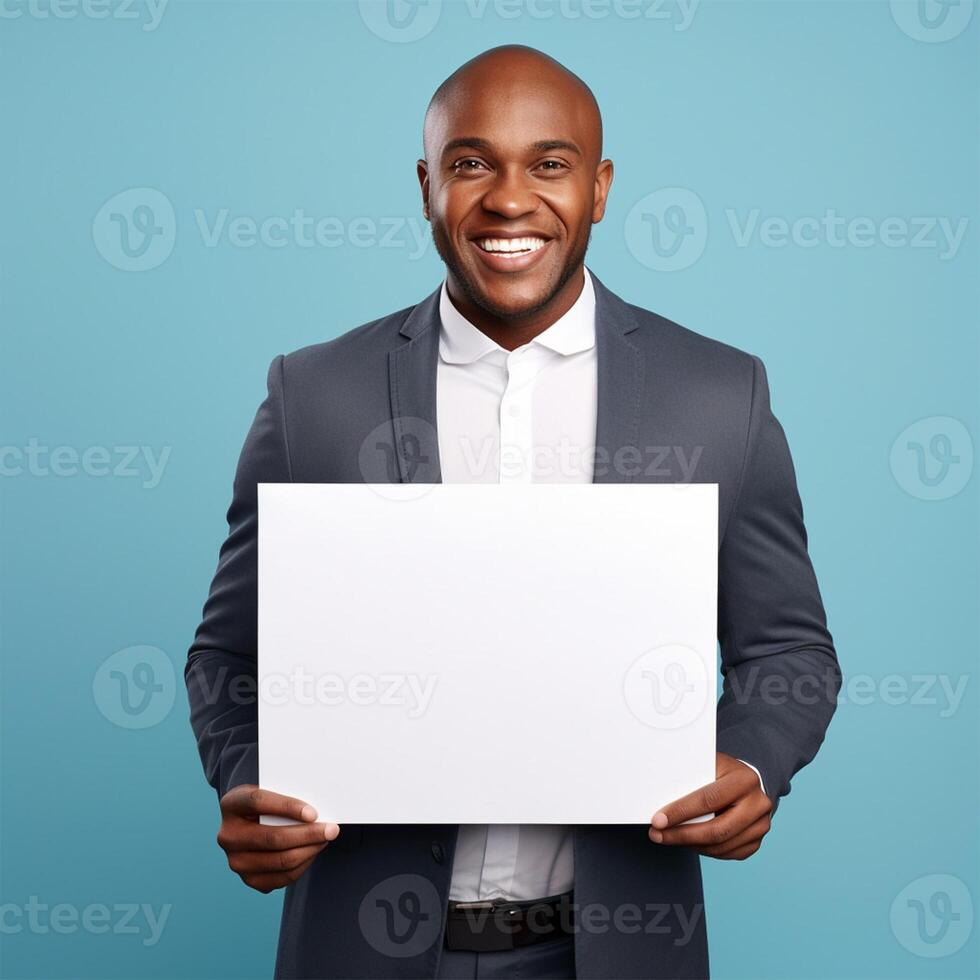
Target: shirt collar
[{"x": 460, "y": 342}]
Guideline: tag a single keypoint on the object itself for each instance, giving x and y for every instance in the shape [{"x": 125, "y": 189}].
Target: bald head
[{"x": 511, "y": 72}]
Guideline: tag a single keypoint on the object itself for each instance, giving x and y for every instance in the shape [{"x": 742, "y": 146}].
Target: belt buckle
[
  {"x": 487, "y": 905},
  {"x": 467, "y": 906}
]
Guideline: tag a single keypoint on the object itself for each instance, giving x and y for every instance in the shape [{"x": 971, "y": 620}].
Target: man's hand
[
  {"x": 269, "y": 857},
  {"x": 742, "y": 814}
]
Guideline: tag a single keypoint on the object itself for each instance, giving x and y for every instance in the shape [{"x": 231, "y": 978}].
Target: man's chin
[{"x": 512, "y": 300}]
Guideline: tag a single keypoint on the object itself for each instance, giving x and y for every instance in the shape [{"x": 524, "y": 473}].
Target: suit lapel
[
  {"x": 620, "y": 386},
  {"x": 412, "y": 390}
]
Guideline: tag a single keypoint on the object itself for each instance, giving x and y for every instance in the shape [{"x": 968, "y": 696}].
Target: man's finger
[
  {"x": 718, "y": 830},
  {"x": 266, "y": 883},
  {"x": 741, "y": 853},
  {"x": 708, "y": 799},
  {"x": 246, "y": 835},
  {"x": 278, "y": 879},
  {"x": 252, "y": 801},
  {"x": 750, "y": 835},
  {"x": 271, "y": 862}
]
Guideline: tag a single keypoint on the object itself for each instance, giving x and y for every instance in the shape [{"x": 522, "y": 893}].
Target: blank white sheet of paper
[{"x": 487, "y": 654}]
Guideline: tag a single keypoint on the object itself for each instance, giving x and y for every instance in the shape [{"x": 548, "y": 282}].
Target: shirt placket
[
  {"x": 517, "y": 417},
  {"x": 515, "y": 466}
]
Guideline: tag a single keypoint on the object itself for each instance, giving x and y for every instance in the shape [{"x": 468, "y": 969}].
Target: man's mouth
[{"x": 510, "y": 246}]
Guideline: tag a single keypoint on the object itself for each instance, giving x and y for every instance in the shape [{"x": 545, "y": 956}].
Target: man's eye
[
  {"x": 552, "y": 166},
  {"x": 468, "y": 165}
]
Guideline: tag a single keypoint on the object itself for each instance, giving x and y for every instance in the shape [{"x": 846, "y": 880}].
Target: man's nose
[{"x": 510, "y": 195}]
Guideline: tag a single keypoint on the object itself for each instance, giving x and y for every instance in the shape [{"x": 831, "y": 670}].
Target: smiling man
[{"x": 522, "y": 367}]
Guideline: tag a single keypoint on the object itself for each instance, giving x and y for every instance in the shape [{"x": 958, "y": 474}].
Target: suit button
[{"x": 438, "y": 854}]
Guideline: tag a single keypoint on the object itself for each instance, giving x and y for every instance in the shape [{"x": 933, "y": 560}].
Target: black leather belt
[{"x": 490, "y": 927}]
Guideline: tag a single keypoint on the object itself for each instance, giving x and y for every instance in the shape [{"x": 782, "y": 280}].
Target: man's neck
[{"x": 513, "y": 333}]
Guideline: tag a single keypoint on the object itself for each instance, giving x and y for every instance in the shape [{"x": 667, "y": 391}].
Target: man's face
[{"x": 512, "y": 187}]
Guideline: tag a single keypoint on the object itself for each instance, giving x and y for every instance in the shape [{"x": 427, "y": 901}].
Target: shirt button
[
  {"x": 438, "y": 854},
  {"x": 514, "y": 411}
]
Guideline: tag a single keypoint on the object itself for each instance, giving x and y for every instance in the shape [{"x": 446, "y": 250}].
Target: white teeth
[{"x": 512, "y": 245}]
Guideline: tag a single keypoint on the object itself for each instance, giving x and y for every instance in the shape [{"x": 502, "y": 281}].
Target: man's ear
[
  {"x": 422, "y": 169},
  {"x": 603, "y": 181}
]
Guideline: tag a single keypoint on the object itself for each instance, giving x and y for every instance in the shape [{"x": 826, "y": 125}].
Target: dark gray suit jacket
[{"x": 660, "y": 385}]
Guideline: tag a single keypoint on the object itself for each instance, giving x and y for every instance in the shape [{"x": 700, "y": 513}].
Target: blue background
[{"x": 263, "y": 108}]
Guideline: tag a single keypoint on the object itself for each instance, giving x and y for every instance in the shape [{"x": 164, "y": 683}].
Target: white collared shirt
[
  {"x": 527, "y": 415},
  {"x": 521, "y": 416}
]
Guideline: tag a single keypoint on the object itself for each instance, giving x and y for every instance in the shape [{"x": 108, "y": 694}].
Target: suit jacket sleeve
[
  {"x": 780, "y": 669},
  {"x": 221, "y": 664}
]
